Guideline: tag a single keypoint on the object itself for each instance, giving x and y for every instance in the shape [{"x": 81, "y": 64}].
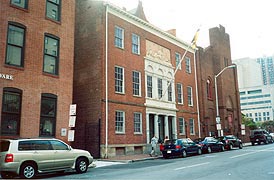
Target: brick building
[
  {"x": 210, "y": 62},
  {"x": 36, "y": 69},
  {"x": 123, "y": 81}
]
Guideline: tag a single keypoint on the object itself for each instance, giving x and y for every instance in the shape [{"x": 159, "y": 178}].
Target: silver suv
[{"x": 28, "y": 157}]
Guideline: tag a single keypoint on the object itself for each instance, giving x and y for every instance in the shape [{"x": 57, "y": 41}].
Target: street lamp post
[{"x": 218, "y": 121}]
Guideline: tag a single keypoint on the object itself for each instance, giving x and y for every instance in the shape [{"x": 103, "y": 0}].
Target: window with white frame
[
  {"x": 191, "y": 127},
  {"x": 189, "y": 96},
  {"x": 135, "y": 44},
  {"x": 180, "y": 93},
  {"x": 149, "y": 86},
  {"x": 136, "y": 83},
  {"x": 137, "y": 123},
  {"x": 119, "y": 122},
  {"x": 160, "y": 88},
  {"x": 182, "y": 126},
  {"x": 119, "y": 37},
  {"x": 119, "y": 79},
  {"x": 188, "y": 65},
  {"x": 178, "y": 59},
  {"x": 169, "y": 91}
]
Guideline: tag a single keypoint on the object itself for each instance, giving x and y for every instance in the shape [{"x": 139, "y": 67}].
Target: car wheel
[
  {"x": 28, "y": 171},
  {"x": 81, "y": 165},
  {"x": 7, "y": 175},
  {"x": 240, "y": 146},
  {"x": 253, "y": 143},
  {"x": 222, "y": 148},
  {"x": 209, "y": 149},
  {"x": 199, "y": 151},
  {"x": 184, "y": 153},
  {"x": 230, "y": 146}
]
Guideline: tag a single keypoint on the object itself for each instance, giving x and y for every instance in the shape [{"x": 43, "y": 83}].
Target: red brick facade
[
  {"x": 30, "y": 78},
  {"x": 211, "y": 61},
  {"x": 90, "y": 82}
]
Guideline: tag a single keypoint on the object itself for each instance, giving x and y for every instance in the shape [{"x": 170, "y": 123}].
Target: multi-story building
[
  {"x": 214, "y": 61},
  {"x": 36, "y": 70},
  {"x": 125, "y": 85},
  {"x": 256, "y": 89}
]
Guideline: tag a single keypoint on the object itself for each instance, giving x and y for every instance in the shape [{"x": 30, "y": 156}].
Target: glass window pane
[
  {"x": 47, "y": 127},
  {"x": 20, "y": 3},
  {"x": 48, "y": 107},
  {"x": 14, "y": 55},
  {"x": 10, "y": 124},
  {"x": 51, "y": 46},
  {"x": 53, "y": 11},
  {"x": 16, "y": 35},
  {"x": 50, "y": 64}
]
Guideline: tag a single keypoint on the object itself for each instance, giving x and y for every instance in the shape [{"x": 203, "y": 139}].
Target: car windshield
[
  {"x": 4, "y": 146},
  {"x": 172, "y": 141}
]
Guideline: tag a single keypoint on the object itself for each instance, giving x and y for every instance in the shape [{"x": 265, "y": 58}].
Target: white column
[
  {"x": 156, "y": 127},
  {"x": 147, "y": 130},
  {"x": 174, "y": 125},
  {"x": 166, "y": 127}
]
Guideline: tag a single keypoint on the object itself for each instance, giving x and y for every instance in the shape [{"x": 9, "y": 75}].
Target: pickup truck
[{"x": 259, "y": 136}]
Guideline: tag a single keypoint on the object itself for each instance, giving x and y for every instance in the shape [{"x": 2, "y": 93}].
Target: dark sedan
[
  {"x": 210, "y": 144},
  {"x": 231, "y": 141},
  {"x": 180, "y": 147}
]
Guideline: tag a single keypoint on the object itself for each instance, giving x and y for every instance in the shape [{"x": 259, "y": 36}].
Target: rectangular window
[
  {"x": 136, "y": 83},
  {"x": 11, "y": 112},
  {"x": 160, "y": 88},
  {"x": 189, "y": 96},
  {"x": 149, "y": 86},
  {"x": 135, "y": 44},
  {"x": 51, "y": 55},
  {"x": 188, "y": 65},
  {"x": 169, "y": 91},
  {"x": 180, "y": 93},
  {"x": 53, "y": 9},
  {"x": 178, "y": 59},
  {"x": 119, "y": 122},
  {"x": 137, "y": 123},
  {"x": 15, "y": 45},
  {"x": 20, "y": 3},
  {"x": 119, "y": 80},
  {"x": 119, "y": 37},
  {"x": 191, "y": 127},
  {"x": 48, "y": 115},
  {"x": 181, "y": 126}
]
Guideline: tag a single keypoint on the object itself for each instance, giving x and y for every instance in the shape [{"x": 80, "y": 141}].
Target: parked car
[
  {"x": 231, "y": 141},
  {"x": 180, "y": 147},
  {"x": 272, "y": 134},
  {"x": 210, "y": 144},
  {"x": 28, "y": 157},
  {"x": 259, "y": 136}
]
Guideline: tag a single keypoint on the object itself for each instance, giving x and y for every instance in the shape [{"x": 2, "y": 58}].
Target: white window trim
[
  {"x": 192, "y": 133},
  {"x": 138, "y": 53},
  {"x": 124, "y": 122},
  {"x": 141, "y": 123},
  {"x": 123, "y": 37},
  {"x": 123, "y": 88},
  {"x": 184, "y": 126},
  {"x": 180, "y": 64},
  {"x": 182, "y": 95},
  {"x": 140, "y": 84},
  {"x": 189, "y": 69},
  {"x": 191, "y": 96}
]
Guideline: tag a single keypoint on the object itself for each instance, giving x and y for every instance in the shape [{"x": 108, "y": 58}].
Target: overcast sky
[{"x": 248, "y": 22}]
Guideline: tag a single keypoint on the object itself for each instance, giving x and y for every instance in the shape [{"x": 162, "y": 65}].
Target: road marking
[
  {"x": 253, "y": 152},
  {"x": 195, "y": 165}
]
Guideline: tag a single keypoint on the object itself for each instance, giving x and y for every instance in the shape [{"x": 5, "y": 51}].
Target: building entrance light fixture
[{"x": 218, "y": 119}]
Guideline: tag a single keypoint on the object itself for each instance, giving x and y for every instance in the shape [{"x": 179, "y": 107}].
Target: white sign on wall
[
  {"x": 71, "y": 135},
  {"x": 72, "y": 110},
  {"x": 72, "y": 120}
]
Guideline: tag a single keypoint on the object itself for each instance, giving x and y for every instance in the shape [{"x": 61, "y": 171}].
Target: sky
[{"x": 249, "y": 23}]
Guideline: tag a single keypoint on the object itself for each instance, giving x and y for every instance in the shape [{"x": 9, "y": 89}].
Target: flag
[{"x": 194, "y": 40}]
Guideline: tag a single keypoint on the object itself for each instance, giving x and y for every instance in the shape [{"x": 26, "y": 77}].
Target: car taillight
[
  {"x": 178, "y": 147},
  {"x": 226, "y": 141},
  {"x": 9, "y": 158},
  {"x": 161, "y": 147}
]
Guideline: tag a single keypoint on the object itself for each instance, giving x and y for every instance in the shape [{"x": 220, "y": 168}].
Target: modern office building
[
  {"x": 212, "y": 61},
  {"x": 36, "y": 67},
  {"x": 124, "y": 84},
  {"x": 256, "y": 89}
]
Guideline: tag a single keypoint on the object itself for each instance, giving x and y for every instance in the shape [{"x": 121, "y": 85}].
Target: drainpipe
[
  {"x": 106, "y": 81},
  {"x": 197, "y": 97}
]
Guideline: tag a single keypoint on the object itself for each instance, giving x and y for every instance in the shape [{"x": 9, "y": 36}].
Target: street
[{"x": 252, "y": 163}]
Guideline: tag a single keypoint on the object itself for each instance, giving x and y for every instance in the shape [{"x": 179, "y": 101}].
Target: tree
[
  {"x": 268, "y": 125},
  {"x": 249, "y": 122}
]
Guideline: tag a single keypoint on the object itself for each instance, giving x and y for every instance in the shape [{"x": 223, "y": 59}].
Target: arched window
[
  {"x": 209, "y": 89},
  {"x": 11, "y": 111}
]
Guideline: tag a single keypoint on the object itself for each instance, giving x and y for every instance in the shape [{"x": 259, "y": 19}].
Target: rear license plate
[{"x": 169, "y": 152}]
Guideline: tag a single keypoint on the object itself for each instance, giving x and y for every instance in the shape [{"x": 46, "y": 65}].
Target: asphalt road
[{"x": 249, "y": 163}]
